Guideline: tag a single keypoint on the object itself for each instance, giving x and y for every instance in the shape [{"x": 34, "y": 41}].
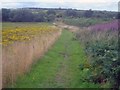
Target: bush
[{"x": 102, "y": 47}]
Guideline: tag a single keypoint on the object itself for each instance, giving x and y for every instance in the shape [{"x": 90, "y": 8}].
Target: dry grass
[{"x": 18, "y": 57}]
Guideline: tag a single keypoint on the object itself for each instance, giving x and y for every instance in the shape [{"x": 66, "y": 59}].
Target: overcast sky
[{"x": 110, "y": 5}]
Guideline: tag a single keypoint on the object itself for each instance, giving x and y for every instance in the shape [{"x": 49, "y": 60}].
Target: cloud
[
  {"x": 76, "y": 4},
  {"x": 61, "y": 1}
]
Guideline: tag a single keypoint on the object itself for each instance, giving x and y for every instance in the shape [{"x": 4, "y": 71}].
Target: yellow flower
[{"x": 25, "y": 32}]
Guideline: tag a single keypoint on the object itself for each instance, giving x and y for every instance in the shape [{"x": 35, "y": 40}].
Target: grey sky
[{"x": 110, "y": 5}]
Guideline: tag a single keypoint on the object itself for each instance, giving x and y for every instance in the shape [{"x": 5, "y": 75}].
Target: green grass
[{"x": 59, "y": 67}]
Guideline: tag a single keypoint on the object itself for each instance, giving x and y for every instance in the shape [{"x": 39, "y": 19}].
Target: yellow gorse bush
[{"x": 25, "y": 33}]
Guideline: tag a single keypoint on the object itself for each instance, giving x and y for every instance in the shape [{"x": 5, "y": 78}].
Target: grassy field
[{"x": 59, "y": 67}]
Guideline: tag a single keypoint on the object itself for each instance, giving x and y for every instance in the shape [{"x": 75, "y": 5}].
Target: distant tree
[
  {"x": 5, "y": 14},
  {"x": 80, "y": 14},
  {"x": 22, "y": 16},
  {"x": 11, "y": 15},
  {"x": 51, "y": 12},
  {"x": 40, "y": 17},
  {"x": 59, "y": 15},
  {"x": 88, "y": 13},
  {"x": 0, "y": 15},
  {"x": 45, "y": 14},
  {"x": 71, "y": 13},
  {"x": 118, "y": 15},
  {"x": 50, "y": 17}
]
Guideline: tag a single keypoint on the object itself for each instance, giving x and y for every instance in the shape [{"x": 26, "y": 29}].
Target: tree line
[{"x": 49, "y": 15}]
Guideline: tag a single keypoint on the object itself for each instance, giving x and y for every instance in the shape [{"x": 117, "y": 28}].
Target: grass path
[{"x": 59, "y": 67}]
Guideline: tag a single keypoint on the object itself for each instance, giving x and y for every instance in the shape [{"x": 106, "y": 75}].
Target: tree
[
  {"x": 40, "y": 17},
  {"x": 118, "y": 16},
  {"x": 71, "y": 13},
  {"x": 59, "y": 15},
  {"x": 51, "y": 12},
  {"x": 0, "y": 15},
  {"x": 88, "y": 13},
  {"x": 5, "y": 14},
  {"x": 21, "y": 16},
  {"x": 51, "y": 18}
]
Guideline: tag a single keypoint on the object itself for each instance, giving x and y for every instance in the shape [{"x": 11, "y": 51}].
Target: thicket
[{"x": 103, "y": 64}]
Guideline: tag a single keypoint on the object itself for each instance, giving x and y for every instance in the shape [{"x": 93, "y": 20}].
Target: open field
[{"x": 23, "y": 45}]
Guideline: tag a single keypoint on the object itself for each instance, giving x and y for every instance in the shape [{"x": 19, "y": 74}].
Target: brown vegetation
[{"x": 17, "y": 58}]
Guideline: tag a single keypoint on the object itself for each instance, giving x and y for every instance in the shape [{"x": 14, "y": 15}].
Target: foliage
[
  {"x": 88, "y": 13},
  {"x": 102, "y": 48},
  {"x": 26, "y": 15},
  {"x": 71, "y": 13},
  {"x": 21, "y": 15},
  {"x": 51, "y": 12},
  {"x": 5, "y": 14},
  {"x": 45, "y": 14}
]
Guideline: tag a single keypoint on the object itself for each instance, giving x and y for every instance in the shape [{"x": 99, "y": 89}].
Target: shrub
[{"x": 102, "y": 47}]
